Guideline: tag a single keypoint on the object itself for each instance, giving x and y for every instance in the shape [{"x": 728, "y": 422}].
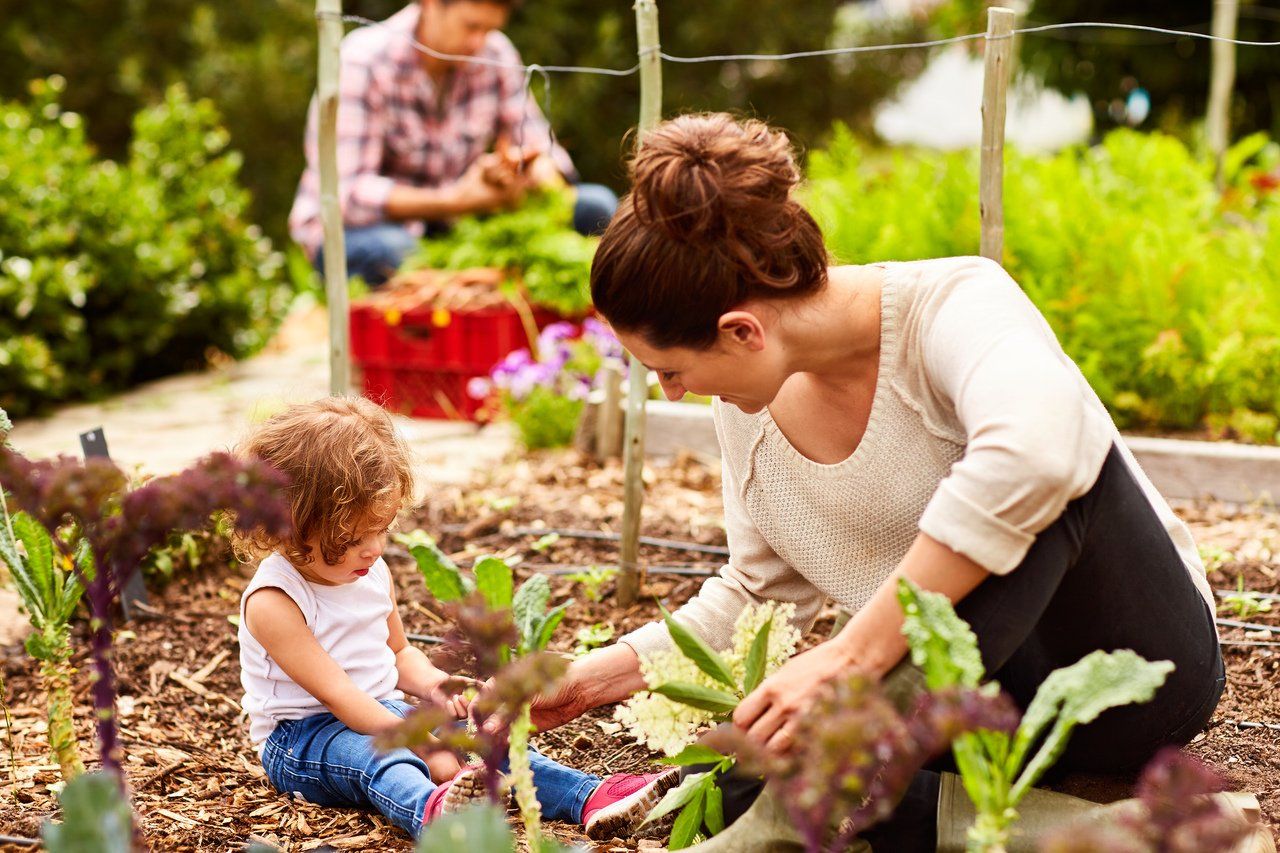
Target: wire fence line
[{"x": 532, "y": 68}]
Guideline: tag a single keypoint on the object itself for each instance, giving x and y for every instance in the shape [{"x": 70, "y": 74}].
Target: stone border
[{"x": 1180, "y": 469}]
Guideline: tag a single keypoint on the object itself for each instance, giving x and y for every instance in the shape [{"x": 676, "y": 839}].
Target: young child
[{"x": 324, "y": 660}]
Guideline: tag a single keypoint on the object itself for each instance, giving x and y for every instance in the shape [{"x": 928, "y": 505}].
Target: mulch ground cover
[{"x": 196, "y": 782}]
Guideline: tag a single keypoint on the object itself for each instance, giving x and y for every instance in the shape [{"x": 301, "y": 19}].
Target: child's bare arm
[
  {"x": 275, "y": 621},
  {"x": 418, "y": 676}
]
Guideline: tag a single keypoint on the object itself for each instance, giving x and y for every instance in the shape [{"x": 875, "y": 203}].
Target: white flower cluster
[{"x": 668, "y": 726}]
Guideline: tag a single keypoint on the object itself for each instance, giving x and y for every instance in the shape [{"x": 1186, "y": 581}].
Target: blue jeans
[
  {"x": 375, "y": 252},
  {"x": 328, "y": 764}
]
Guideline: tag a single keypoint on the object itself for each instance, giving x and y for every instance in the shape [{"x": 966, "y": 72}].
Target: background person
[{"x": 423, "y": 140}]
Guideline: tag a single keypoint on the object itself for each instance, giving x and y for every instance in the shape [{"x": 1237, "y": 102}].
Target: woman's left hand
[{"x": 770, "y": 713}]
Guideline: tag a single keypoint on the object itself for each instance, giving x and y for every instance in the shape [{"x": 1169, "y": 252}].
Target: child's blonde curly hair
[{"x": 347, "y": 468}]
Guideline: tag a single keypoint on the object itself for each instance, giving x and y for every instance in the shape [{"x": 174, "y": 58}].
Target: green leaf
[
  {"x": 528, "y": 606},
  {"x": 495, "y": 583},
  {"x": 39, "y": 563},
  {"x": 714, "y": 818},
  {"x": 941, "y": 643},
  {"x": 694, "y": 753},
  {"x": 693, "y": 785},
  {"x": 548, "y": 626},
  {"x": 477, "y": 829},
  {"x": 443, "y": 579},
  {"x": 697, "y": 696},
  {"x": 28, "y": 591},
  {"x": 756, "y": 658},
  {"x": 698, "y": 651},
  {"x": 95, "y": 816},
  {"x": 689, "y": 822},
  {"x": 1076, "y": 695}
]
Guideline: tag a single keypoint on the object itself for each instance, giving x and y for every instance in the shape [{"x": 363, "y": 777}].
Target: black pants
[{"x": 1106, "y": 576}]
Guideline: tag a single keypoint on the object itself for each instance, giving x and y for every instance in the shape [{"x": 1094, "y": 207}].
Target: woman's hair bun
[{"x": 706, "y": 176}]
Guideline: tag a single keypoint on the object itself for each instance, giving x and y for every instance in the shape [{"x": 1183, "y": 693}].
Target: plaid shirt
[{"x": 396, "y": 125}]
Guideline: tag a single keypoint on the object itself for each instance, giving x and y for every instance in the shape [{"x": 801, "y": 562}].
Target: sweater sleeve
[
  {"x": 1033, "y": 444},
  {"x": 755, "y": 573}
]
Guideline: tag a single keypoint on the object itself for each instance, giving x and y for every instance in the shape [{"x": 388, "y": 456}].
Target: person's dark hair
[{"x": 709, "y": 223}]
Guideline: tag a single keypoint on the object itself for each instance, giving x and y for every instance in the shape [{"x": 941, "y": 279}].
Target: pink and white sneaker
[
  {"x": 462, "y": 790},
  {"x": 623, "y": 801}
]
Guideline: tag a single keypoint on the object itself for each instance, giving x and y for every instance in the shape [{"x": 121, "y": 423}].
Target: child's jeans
[{"x": 328, "y": 764}]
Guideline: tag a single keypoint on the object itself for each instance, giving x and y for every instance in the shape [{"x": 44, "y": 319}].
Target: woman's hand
[
  {"x": 604, "y": 676},
  {"x": 770, "y": 713}
]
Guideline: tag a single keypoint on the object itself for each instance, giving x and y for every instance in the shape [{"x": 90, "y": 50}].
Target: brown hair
[
  {"x": 709, "y": 223},
  {"x": 346, "y": 465}
]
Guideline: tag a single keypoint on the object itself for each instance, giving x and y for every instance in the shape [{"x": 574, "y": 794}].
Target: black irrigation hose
[
  {"x": 1248, "y": 626},
  {"x": 672, "y": 544},
  {"x": 1227, "y": 593},
  {"x": 424, "y": 638},
  {"x": 19, "y": 840}
]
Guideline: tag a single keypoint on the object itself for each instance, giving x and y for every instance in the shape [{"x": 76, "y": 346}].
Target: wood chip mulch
[{"x": 197, "y": 784}]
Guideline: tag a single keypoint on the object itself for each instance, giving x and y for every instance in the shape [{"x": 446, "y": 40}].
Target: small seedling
[
  {"x": 593, "y": 580},
  {"x": 1215, "y": 557},
  {"x": 545, "y": 542},
  {"x": 592, "y": 637},
  {"x": 1244, "y": 603}
]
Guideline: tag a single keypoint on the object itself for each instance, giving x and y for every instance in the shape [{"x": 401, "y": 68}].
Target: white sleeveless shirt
[{"x": 350, "y": 623}]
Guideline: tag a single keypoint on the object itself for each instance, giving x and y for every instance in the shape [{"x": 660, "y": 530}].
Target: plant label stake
[{"x": 94, "y": 444}]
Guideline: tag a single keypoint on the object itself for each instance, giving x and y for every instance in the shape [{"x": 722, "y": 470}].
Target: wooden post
[
  {"x": 1222, "y": 78},
  {"x": 995, "y": 86},
  {"x": 329, "y": 23},
  {"x": 609, "y": 440},
  {"x": 647, "y": 46}
]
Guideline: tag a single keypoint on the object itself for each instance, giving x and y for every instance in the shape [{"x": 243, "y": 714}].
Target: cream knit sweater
[{"x": 981, "y": 430}]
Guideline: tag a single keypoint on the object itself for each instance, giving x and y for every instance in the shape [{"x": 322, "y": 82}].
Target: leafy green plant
[
  {"x": 594, "y": 579},
  {"x": 535, "y": 244},
  {"x": 694, "y": 687},
  {"x": 997, "y": 769},
  {"x": 113, "y": 272},
  {"x": 592, "y": 637},
  {"x": 95, "y": 816},
  {"x": 1244, "y": 603},
  {"x": 50, "y": 592},
  {"x": 496, "y": 602},
  {"x": 1165, "y": 292}
]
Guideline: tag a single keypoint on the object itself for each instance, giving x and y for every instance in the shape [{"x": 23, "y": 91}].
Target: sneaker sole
[
  {"x": 468, "y": 787},
  {"x": 622, "y": 817}
]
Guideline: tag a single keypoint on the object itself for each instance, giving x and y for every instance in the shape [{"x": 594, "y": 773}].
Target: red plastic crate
[{"x": 413, "y": 364}]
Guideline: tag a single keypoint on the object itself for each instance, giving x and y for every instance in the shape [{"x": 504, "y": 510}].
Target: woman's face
[{"x": 739, "y": 368}]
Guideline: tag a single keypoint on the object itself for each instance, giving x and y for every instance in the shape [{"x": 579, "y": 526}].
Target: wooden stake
[
  {"x": 329, "y": 23},
  {"x": 995, "y": 87},
  {"x": 638, "y": 392},
  {"x": 1222, "y": 78},
  {"x": 609, "y": 426}
]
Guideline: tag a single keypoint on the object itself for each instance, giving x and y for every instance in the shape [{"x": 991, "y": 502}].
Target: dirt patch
[{"x": 197, "y": 784}]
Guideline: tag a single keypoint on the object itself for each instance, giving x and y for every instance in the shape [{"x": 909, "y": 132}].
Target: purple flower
[
  {"x": 579, "y": 389},
  {"x": 512, "y": 364},
  {"x": 554, "y": 334},
  {"x": 522, "y": 382},
  {"x": 478, "y": 387},
  {"x": 602, "y": 338}
]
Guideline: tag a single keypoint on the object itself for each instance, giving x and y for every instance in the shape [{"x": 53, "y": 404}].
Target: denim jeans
[
  {"x": 328, "y": 764},
  {"x": 375, "y": 252}
]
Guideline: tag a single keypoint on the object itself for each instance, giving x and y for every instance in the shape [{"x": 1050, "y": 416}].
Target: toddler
[{"x": 324, "y": 660}]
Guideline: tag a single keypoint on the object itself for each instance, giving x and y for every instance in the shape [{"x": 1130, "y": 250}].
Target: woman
[{"x": 914, "y": 420}]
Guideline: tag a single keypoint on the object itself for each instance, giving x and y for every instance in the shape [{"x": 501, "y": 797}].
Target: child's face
[{"x": 355, "y": 562}]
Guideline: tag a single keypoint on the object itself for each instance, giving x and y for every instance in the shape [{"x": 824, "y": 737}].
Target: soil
[{"x": 196, "y": 782}]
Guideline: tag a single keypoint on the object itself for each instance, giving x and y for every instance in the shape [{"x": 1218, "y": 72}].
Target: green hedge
[
  {"x": 111, "y": 273},
  {"x": 1164, "y": 291}
]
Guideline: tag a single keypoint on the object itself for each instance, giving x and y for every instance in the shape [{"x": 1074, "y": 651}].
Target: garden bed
[{"x": 197, "y": 784}]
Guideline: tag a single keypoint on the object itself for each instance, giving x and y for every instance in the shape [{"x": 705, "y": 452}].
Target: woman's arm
[{"x": 275, "y": 621}]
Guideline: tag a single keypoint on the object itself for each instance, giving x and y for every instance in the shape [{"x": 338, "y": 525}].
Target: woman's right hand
[{"x": 604, "y": 676}]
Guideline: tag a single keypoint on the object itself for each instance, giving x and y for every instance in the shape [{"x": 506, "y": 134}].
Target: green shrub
[
  {"x": 1164, "y": 291},
  {"x": 111, "y": 273}
]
